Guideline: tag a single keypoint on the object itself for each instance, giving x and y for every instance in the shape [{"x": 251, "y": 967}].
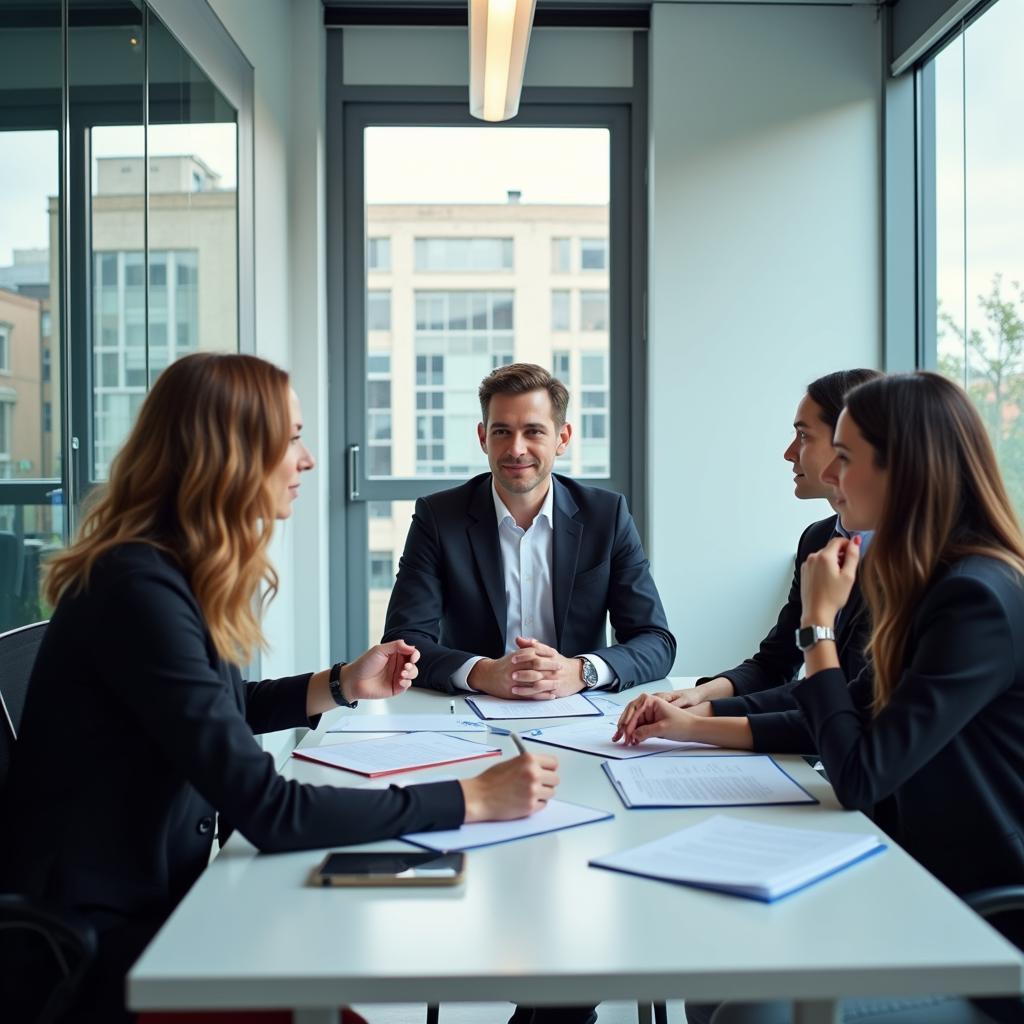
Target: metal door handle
[{"x": 353, "y": 472}]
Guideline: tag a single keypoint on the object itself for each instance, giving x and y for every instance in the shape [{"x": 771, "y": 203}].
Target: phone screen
[{"x": 415, "y": 864}]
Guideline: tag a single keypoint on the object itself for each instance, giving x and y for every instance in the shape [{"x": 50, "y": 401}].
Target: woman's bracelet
[{"x": 334, "y": 682}]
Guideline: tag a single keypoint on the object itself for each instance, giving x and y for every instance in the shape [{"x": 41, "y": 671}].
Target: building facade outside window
[
  {"x": 378, "y": 410},
  {"x": 593, "y": 414},
  {"x": 460, "y": 337},
  {"x": 119, "y": 348}
]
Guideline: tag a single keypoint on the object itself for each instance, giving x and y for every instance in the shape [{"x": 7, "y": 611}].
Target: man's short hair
[{"x": 519, "y": 379}]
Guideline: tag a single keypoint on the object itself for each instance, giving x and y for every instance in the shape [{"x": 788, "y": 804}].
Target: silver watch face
[{"x": 589, "y": 673}]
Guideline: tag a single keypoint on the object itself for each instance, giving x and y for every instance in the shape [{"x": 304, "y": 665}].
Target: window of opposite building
[
  {"x": 593, "y": 311},
  {"x": 6, "y": 411},
  {"x": 382, "y": 574},
  {"x": 378, "y": 254},
  {"x": 459, "y": 338},
  {"x": 561, "y": 255},
  {"x": 973, "y": 263},
  {"x": 593, "y": 254},
  {"x": 378, "y": 310},
  {"x": 463, "y": 254},
  {"x": 5, "y": 348},
  {"x": 561, "y": 316},
  {"x": 121, "y": 354}
]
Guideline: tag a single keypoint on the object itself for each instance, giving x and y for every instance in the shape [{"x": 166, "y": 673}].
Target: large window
[
  {"x": 154, "y": 262},
  {"x": 481, "y": 270},
  {"x": 978, "y": 93}
]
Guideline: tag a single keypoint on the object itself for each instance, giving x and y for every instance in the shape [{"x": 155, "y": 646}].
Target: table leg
[
  {"x": 643, "y": 1012},
  {"x": 826, "y": 1011},
  {"x": 317, "y": 1016}
]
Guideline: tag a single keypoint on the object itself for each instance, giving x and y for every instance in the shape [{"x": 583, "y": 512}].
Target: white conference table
[{"x": 534, "y": 924}]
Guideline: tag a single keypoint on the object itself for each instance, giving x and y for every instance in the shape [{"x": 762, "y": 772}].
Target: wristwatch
[
  {"x": 808, "y": 636},
  {"x": 334, "y": 684},
  {"x": 589, "y": 674}
]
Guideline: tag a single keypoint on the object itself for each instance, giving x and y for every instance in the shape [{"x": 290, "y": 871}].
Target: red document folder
[{"x": 393, "y": 754}]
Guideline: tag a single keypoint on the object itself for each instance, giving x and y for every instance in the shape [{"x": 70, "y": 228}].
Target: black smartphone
[{"x": 391, "y": 867}]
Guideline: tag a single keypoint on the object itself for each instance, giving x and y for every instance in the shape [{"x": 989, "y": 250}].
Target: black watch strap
[{"x": 335, "y": 685}]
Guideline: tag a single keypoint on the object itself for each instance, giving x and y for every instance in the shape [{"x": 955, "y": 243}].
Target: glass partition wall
[{"x": 119, "y": 246}]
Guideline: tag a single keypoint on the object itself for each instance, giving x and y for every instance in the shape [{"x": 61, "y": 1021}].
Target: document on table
[
  {"x": 555, "y": 816},
  {"x": 403, "y": 753},
  {"x": 594, "y": 736},
  {"x": 730, "y": 780},
  {"x": 492, "y": 708},
  {"x": 408, "y": 723},
  {"x": 744, "y": 858}
]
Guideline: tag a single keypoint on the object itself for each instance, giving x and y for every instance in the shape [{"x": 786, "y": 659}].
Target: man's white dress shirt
[{"x": 526, "y": 557}]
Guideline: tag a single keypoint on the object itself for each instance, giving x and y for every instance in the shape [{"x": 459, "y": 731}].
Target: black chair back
[{"x": 18, "y": 650}]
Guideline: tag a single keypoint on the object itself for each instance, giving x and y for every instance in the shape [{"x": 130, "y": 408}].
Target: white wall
[
  {"x": 285, "y": 43},
  {"x": 765, "y": 258}
]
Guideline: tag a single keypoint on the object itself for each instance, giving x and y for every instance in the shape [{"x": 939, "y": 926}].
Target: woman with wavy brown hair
[
  {"x": 138, "y": 730},
  {"x": 929, "y": 739}
]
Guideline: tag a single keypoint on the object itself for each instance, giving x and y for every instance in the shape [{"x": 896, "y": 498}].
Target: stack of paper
[
  {"x": 407, "y": 723},
  {"x": 556, "y": 815},
  {"x": 493, "y": 708},
  {"x": 594, "y": 736},
  {"x": 727, "y": 780},
  {"x": 397, "y": 753},
  {"x": 743, "y": 858}
]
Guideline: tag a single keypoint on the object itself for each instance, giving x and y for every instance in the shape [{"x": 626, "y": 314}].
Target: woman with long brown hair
[
  {"x": 138, "y": 729},
  {"x": 929, "y": 739}
]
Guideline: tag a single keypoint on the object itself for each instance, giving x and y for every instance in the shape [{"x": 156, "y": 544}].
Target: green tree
[{"x": 989, "y": 362}]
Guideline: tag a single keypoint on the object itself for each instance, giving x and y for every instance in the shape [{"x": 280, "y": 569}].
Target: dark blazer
[
  {"x": 449, "y": 598},
  {"x": 941, "y": 768},
  {"x": 136, "y": 734},
  {"x": 778, "y": 659}
]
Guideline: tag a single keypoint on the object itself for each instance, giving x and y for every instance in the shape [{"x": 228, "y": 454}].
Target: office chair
[{"x": 55, "y": 950}]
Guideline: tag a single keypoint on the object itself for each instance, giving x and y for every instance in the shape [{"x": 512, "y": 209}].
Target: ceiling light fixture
[{"x": 499, "y": 34}]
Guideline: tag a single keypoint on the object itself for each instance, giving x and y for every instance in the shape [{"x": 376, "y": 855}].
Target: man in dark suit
[{"x": 506, "y": 581}]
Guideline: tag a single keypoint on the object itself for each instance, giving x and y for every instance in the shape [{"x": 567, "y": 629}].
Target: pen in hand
[{"x": 517, "y": 741}]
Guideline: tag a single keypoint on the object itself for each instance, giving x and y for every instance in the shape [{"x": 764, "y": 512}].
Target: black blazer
[
  {"x": 941, "y": 768},
  {"x": 449, "y": 598},
  {"x": 778, "y": 659},
  {"x": 135, "y": 734}
]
